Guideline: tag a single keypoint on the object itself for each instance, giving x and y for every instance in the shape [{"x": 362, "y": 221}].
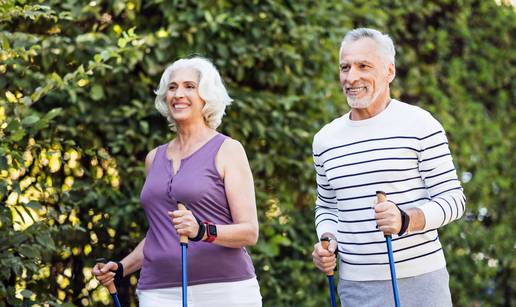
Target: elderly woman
[{"x": 210, "y": 174}]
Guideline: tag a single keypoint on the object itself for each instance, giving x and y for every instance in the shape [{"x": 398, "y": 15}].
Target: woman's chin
[{"x": 181, "y": 115}]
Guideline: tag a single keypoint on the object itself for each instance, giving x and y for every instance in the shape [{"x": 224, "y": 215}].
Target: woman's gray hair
[
  {"x": 383, "y": 40},
  {"x": 211, "y": 90}
]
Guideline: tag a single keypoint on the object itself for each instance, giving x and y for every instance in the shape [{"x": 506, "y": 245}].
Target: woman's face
[{"x": 183, "y": 100}]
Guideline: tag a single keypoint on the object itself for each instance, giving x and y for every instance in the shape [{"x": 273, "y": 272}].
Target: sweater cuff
[
  {"x": 433, "y": 215},
  {"x": 326, "y": 226}
]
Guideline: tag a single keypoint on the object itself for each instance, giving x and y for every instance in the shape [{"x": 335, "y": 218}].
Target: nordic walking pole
[
  {"x": 184, "y": 245},
  {"x": 325, "y": 242},
  {"x": 380, "y": 197},
  {"x": 111, "y": 287}
]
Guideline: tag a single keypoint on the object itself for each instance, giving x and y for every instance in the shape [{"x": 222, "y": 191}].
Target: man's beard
[
  {"x": 364, "y": 102},
  {"x": 360, "y": 103}
]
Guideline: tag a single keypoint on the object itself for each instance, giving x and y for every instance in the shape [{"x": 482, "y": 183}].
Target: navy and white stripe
[{"x": 410, "y": 160}]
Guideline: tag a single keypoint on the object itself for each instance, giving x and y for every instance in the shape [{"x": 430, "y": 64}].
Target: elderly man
[{"x": 383, "y": 144}]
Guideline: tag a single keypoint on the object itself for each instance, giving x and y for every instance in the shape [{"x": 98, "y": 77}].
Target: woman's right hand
[
  {"x": 103, "y": 272},
  {"x": 184, "y": 222}
]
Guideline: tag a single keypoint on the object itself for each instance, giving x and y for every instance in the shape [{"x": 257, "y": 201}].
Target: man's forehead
[{"x": 364, "y": 49}]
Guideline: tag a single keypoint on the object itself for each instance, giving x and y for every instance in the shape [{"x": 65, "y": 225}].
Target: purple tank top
[{"x": 198, "y": 185}]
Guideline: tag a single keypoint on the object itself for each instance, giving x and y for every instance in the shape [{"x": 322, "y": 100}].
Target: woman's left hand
[{"x": 184, "y": 222}]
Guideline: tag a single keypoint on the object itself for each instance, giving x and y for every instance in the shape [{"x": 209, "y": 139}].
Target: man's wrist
[{"x": 417, "y": 220}]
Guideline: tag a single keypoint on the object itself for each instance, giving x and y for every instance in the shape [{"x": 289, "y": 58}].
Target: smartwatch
[{"x": 211, "y": 231}]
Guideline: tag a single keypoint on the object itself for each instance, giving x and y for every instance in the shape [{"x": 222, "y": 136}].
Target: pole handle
[
  {"x": 325, "y": 243},
  {"x": 182, "y": 239},
  {"x": 111, "y": 287},
  {"x": 380, "y": 198}
]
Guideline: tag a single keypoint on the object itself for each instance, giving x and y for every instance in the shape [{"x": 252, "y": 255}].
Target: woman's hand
[
  {"x": 103, "y": 272},
  {"x": 184, "y": 223}
]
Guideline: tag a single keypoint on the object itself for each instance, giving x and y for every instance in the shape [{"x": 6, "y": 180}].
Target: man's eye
[{"x": 344, "y": 68}]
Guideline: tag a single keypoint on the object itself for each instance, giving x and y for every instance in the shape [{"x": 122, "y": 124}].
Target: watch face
[{"x": 212, "y": 229}]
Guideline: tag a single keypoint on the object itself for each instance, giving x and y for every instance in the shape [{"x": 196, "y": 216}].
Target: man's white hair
[
  {"x": 383, "y": 40},
  {"x": 211, "y": 90}
]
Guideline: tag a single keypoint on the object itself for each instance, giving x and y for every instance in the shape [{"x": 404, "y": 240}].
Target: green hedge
[{"x": 77, "y": 119}]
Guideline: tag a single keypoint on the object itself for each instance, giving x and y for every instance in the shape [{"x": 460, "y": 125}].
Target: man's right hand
[
  {"x": 103, "y": 272},
  {"x": 325, "y": 259}
]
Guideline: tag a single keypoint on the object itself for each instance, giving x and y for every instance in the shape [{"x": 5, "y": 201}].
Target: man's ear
[{"x": 391, "y": 72}]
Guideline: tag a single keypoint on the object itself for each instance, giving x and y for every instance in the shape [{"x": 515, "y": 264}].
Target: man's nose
[{"x": 352, "y": 75}]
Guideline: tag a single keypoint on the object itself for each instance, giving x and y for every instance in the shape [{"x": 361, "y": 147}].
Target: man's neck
[{"x": 371, "y": 111}]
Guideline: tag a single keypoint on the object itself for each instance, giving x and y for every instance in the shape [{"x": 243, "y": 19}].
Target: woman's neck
[{"x": 191, "y": 136}]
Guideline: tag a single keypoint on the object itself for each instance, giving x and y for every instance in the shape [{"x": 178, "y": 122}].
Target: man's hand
[
  {"x": 325, "y": 259},
  {"x": 388, "y": 217}
]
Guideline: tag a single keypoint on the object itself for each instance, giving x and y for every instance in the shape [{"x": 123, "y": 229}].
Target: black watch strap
[
  {"x": 405, "y": 221},
  {"x": 119, "y": 273},
  {"x": 200, "y": 232}
]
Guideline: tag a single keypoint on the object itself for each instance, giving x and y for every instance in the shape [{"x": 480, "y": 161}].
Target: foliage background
[{"x": 77, "y": 119}]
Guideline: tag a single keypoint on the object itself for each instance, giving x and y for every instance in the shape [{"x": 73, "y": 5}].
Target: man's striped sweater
[{"x": 404, "y": 152}]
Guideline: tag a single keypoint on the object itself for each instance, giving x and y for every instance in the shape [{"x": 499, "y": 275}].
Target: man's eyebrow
[
  {"x": 365, "y": 62},
  {"x": 355, "y": 62}
]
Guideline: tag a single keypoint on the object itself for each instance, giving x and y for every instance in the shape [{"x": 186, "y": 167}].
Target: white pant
[{"x": 245, "y": 293}]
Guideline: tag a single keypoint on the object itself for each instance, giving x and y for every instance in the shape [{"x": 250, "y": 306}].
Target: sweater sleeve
[
  {"x": 447, "y": 200},
  {"x": 326, "y": 212}
]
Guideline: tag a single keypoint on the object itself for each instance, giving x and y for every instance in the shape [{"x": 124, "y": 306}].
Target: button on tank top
[{"x": 198, "y": 185}]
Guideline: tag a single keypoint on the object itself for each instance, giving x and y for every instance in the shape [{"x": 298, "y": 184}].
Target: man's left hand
[{"x": 388, "y": 217}]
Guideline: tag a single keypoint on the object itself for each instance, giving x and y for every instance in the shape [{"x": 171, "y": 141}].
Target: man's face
[{"x": 364, "y": 74}]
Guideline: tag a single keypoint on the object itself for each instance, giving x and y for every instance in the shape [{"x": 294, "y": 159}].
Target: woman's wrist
[{"x": 201, "y": 232}]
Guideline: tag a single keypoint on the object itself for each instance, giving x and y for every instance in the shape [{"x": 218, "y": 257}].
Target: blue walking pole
[
  {"x": 380, "y": 196},
  {"x": 111, "y": 287},
  {"x": 184, "y": 245},
  {"x": 325, "y": 242}
]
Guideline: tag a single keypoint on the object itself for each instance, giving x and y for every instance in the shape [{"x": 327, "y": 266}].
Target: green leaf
[
  {"x": 97, "y": 93},
  {"x": 17, "y": 135},
  {"x": 45, "y": 240},
  {"x": 34, "y": 205},
  {"x": 53, "y": 113},
  {"x": 14, "y": 124},
  {"x": 29, "y": 251},
  {"x": 30, "y": 120},
  {"x": 122, "y": 42},
  {"x": 3, "y": 187},
  {"x": 18, "y": 238},
  {"x": 26, "y": 293},
  {"x": 3, "y": 162}
]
